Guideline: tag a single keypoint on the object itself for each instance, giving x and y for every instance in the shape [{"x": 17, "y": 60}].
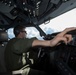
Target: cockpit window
[
  {"x": 60, "y": 23},
  {"x": 33, "y": 32}
]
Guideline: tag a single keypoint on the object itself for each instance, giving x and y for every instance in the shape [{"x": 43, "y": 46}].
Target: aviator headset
[{"x": 17, "y": 31}]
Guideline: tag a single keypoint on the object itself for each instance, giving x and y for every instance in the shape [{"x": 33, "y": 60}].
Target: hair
[{"x": 17, "y": 29}]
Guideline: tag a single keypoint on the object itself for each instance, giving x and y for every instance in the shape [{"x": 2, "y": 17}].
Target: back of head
[{"x": 17, "y": 29}]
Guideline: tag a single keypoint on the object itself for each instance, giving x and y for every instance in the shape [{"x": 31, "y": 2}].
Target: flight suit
[{"x": 17, "y": 56}]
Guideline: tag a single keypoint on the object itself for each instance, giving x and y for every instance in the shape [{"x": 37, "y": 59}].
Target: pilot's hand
[{"x": 62, "y": 37}]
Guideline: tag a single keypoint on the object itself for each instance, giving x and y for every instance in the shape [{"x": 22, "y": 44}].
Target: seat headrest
[{"x": 3, "y": 36}]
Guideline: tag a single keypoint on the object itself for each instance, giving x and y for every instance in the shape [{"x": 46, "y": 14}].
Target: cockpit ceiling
[{"x": 31, "y": 12}]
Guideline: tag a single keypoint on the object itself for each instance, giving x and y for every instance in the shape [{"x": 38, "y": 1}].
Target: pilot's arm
[{"x": 61, "y": 37}]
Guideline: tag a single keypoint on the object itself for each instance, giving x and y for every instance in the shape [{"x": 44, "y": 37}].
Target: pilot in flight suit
[{"x": 18, "y": 48}]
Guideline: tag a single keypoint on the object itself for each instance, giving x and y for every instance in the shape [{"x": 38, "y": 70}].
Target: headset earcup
[{"x": 17, "y": 32}]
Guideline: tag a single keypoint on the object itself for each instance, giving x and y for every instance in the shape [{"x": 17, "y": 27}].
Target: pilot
[{"x": 17, "y": 50}]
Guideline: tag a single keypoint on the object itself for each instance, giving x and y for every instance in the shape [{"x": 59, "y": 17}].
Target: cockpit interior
[{"x": 60, "y": 60}]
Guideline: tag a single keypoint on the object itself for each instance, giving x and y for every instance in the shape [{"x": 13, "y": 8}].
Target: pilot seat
[{"x": 3, "y": 42}]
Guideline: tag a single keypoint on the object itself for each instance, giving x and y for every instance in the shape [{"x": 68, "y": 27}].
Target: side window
[{"x": 10, "y": 33}]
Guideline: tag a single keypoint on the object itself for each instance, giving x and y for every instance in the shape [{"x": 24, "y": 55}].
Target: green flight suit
[{"x": 14, "y": 50}]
